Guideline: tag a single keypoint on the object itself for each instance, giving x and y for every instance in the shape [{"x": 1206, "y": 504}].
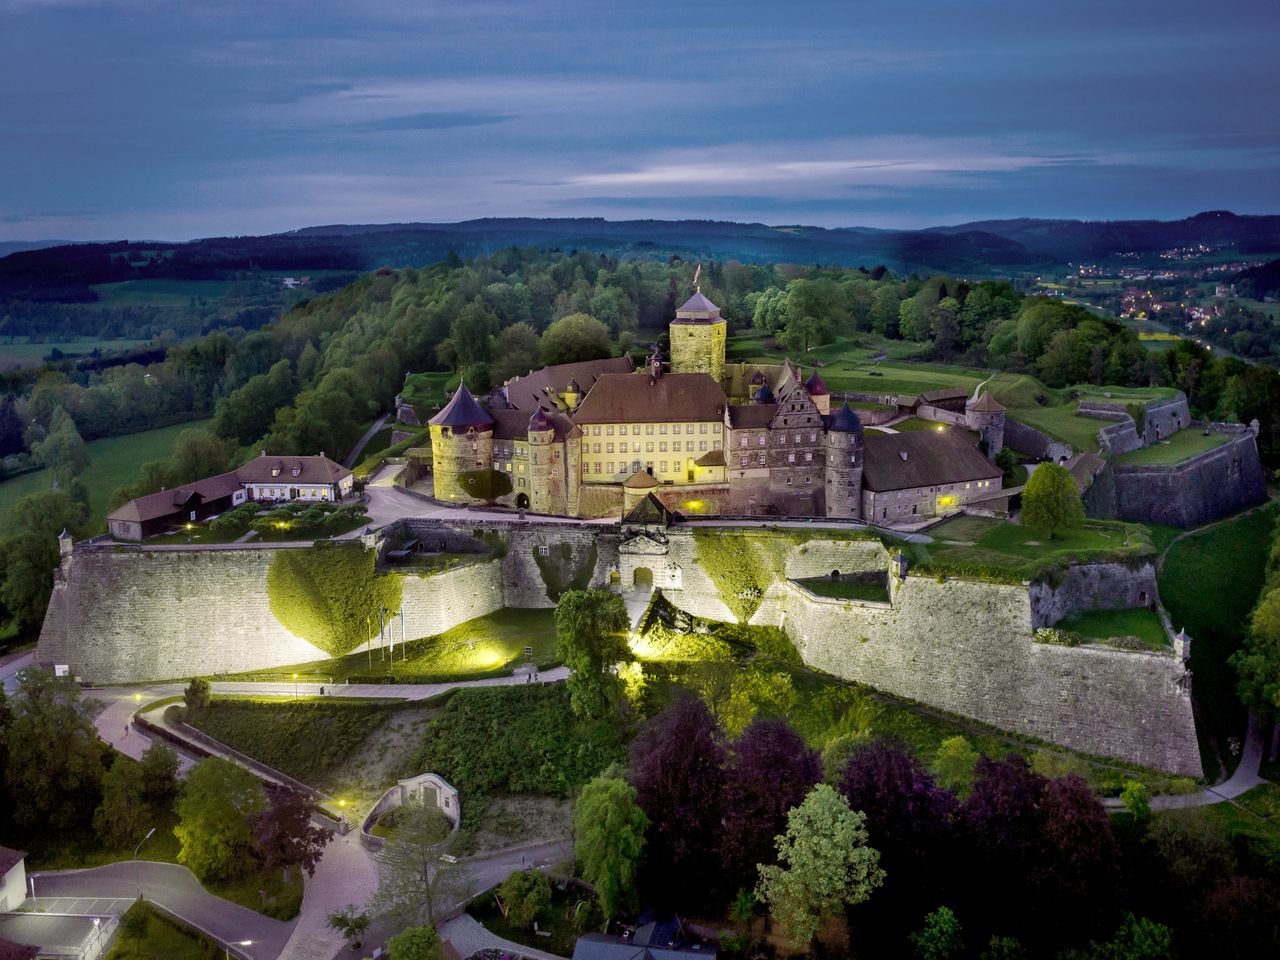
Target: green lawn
[
  {"x": 427, "y": 390},
  {"x": 22, "y": 354},
  {"x": 113, "y": 462},
  {"x": 1179, "y": 447},
  {"x": 848, "y": 589},
  {"x": 306, "y": 738},
  {"x": 159, "y": 293},
  {"x": 159, "y": 938},
  {"x": 1105, "y": 624},
  {"x": 557, "y": 919},
  {"x": 1061, "y": 423},
  {"x": 912, "y": 424},
  {"x": 1209, "y": 583},
  {"x": 492, "y": 645},
  {"x": 1008, "y": 551}
]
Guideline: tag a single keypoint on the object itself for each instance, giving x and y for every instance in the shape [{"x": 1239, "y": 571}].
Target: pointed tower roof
[
  {"x": 697, "y": 308},
  {"x": 816, "y": 386},
  {"x": 462, "y": 411},
  {"x": 573, "y": 386},
  {"x": 540, "y": 421},
  {"x": 640, "y": 481},
  {"x": 985, "y": 404},
  {"x": 845, "y": 420},
  {"x": 764, "y": 394},
  {"x": 757, "y": 378}
]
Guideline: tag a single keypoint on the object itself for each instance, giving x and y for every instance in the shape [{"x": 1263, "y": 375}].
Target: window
[
  {"x": 662, "y": 467},
  {"x": 296, "y": 471},
  {"x": 662, "y": 446},
  {"x": 608, "y": 448},
  {"x": 715, "y": 445},
  {"x": 742, "y": 441},
  {"x": 813, "y": 438},
  {"x": 702, "y": 445},
  {"x": 608, "y": 431},
  {"x": 715, "y": 428},
  {"x": 648, "y": 446},
  {"x": 791, "y": 458},
  {"x": 522, "y": 481},
  {"x": 702, "y": 428},
  {"x": 595, "y": 448},
  {"x": 662, "y": 429},
  {"x": 635, "y": 431},
  {"x": 676, "y": 446},
  {"x": 648, "y": 430},
  {"x": 275, "y": 471},
  {"x": 595, "y": 431},
  {"x": 610, "y": 466},
  {"x": 788, "y": 481},
  {"x": 799, "y": 437},
  {"x": 688, "y": 428},
  {"x": 762, "y": 461},
  {"x": 635, "y": 466},
  {"x": 761, "y": 441},
  {"x": 808, "y": 458},
  {"x": 808, "y": 479},
  {"x": 597, "y": 466}
]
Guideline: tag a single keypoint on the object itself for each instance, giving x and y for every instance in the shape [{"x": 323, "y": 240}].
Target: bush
[
  {"x": 526, "y": 896},
  {"x": 235, "y": 522},
  {"x": 197, "y": 695}
]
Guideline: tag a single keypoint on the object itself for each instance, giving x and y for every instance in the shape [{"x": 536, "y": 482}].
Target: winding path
[{"x": 354, "y": 456}]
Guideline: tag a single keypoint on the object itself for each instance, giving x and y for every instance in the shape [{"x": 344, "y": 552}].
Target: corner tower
[
  {"x": 461, "y": 443},
  {"x": 844, "y": 464},
  {"x": 697, "y": 338},
  {"x": 984, "y": 415}
]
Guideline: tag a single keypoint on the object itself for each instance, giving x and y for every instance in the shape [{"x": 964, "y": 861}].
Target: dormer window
[
  {"x": 296, "y": 471},
  {"x": 275, "y": 471}
]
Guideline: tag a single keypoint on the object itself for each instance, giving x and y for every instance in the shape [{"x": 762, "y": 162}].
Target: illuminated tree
[
  {"x": 576, "y": 337},
  {"x": 415, "y": 943},
  {"x": 940, "y": 937},
  {"x": 526, "y": 894},
  {"x": 216, "y": 809},
  {"x": 608, "y": 838},
  {"x": 591, "y": 639}
]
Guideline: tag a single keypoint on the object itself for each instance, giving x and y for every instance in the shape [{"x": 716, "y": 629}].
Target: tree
[
  {"x": 768, "y": 770},
  {"x": 1050, "y": 500},
  {"x": 197, "y": 694},
  {"x": 1075, "y": 877},
  {"x": 415, "y": 882},
  {"x": 573, "y": 338},
  {"x": 824, "y": 864},
  {"x": 675, "y": 766},
  {"x": 159, "y": 767},
  {"x": 1257, "y": 662},
  {"x": 55, "y": 762},
  {"x": 591, "y": 639},
  {"x": 216, "y": 810},
  {"x": 940, "y": 937},
  {"x": 954, "y": 762},
  {"x": 415, "y": 943},
  {"x": 1137, "y": 800},
  {"x": 1137, "y": 939},
  {"x": 121, "y": 818},
  {"x": 285, "y": 836},
  {"x": 62, "y": 450},
  {"x": 608, "y": 839},
  {"x": 350, "y": 922},
  {"x": 29, "y": 551},
  {"x": 515, "y": 353},
  {"x": 526, "y": 895},
  {"x": 1004, "y": 948}
]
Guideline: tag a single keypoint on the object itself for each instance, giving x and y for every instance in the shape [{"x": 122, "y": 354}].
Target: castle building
[{"x": 704, "y": 436}]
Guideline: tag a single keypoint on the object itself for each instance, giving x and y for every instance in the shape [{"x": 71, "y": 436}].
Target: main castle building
[{"x": 704, "y": 436}]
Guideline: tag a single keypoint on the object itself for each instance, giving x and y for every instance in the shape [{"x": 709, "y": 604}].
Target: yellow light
[
  {"x": 939, "y": 427},
  {"x": 137, "y": 698},
  {"x": 342, "y": 803},
  {"x": 295, "y": 676}
]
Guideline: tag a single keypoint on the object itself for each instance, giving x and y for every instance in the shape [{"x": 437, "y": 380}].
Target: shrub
[{"x": 526, "y": 896}]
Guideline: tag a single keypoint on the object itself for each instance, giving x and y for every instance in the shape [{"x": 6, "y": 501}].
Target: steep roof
[
  {"x": 318, "y": 469},
  {"x": 510, "y": 424},
  {"x": 648, "y": 510},
  {"x": 816, "y": 386},
  {"x": 640, "y": 481},
  {"x": 985, "y": 404},
  {"x": 845, "y": 420},
  {"x": 531, "y": 390},
  {"x": 9, "y": 858},
  {"x": 461, "y": 411},
  {"x": 751, "y": 416},
  {"x": 635, "y": 398},
  {"x": 923, "y": 458},
  {"x": 698, "y": 308}
]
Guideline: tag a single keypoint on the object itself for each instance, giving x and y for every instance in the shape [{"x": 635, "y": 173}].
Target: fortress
[{"x": 704, "y": 436}]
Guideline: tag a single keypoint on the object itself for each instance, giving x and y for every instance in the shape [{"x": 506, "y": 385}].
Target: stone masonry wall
[
  {"x": 434, "y": 604},
  {"x": 1094, "y": 586},
  {"x": 1031, "y": 441},
  {"x": 966, "y": 647}
]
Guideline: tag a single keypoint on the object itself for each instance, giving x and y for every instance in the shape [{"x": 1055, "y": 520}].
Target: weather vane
[{"x": 696, "y": 274}]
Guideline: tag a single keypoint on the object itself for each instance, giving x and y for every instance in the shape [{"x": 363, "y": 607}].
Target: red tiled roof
[
  {"x": 923, "y": 458},
  {"x": 636, "y": 398}
]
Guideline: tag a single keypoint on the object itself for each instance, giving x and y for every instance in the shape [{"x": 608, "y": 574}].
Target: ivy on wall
[
  {"x": 330, "y": 595},
  {"x": 561, "y": 572},
  {"x": 487, "y": 485},
  {"x": 742, "y": 565}
]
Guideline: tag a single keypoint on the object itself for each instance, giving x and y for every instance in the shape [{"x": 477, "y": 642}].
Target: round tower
[
  {"x": 461, "y": 444},
  {"x": 545, "y": 494},
  {"x": 698, "y": 338},
  {"x": 985, "y": 416},
  {"x": 816, "y": 387},
  {"x": 844, "y": 464}
]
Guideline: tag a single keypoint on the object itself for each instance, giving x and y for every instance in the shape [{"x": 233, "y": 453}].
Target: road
[
  {"x": 354, "y": 456},
  {"x": 176, "y": 889}
]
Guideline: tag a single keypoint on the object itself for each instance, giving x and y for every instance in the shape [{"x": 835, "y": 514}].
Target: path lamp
[
  {"x": 295, "y": 686},
  {"x": 137, "y": 871},
  {"x": 188, "y": 533},
  {"x": 237, "y": 943}
]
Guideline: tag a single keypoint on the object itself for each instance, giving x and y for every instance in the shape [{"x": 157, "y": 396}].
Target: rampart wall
[{"x": 1031, "y": 441}]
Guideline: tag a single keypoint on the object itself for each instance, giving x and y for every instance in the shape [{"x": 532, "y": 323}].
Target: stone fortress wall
[{"x": 963, "y": 646}]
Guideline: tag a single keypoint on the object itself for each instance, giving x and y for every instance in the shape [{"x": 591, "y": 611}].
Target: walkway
[
  {"x": 354, "y": 456},
  {"x": 177, "y": 890},
  {"x": 10, "y": 664},
  {"x": 469, "y": 936},
  {"x": 347, "y": 873}
]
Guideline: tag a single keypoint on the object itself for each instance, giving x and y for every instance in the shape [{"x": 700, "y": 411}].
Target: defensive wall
[
  {"x": 1032, "y": 442},
  {"x": 964, "y": 646}
]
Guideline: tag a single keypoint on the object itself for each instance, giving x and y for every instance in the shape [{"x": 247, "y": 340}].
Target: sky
[{"x": 151, "y": 119}]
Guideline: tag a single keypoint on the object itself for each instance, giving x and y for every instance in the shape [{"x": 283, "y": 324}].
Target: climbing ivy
[
  {"x": 561, "y": 572},
  {"x": 330, "y": 595},
  {"x": 486, "y": 485},
  {"x": 742, "y": 565}
]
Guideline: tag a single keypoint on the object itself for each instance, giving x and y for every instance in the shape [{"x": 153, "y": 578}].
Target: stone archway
[
  {"x": 642, "y": 578},
  {"x": 522, "y": 502}
]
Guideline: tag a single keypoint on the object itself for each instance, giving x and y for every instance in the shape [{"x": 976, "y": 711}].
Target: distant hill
[
  {"x": 1264, "y": 280},
  {"x": 996, "y": 247},
  {"x": 14, "y": 246}
]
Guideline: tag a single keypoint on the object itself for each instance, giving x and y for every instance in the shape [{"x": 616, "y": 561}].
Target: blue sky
[{"x": 171, "y": 120}]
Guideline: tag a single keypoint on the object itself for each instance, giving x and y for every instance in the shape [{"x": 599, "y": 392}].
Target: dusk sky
[{"x": 156, "y": 120}]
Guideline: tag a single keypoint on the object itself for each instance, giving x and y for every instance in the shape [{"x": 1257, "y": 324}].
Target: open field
[
  {"x": 1004, "y": 550},
  {"x": 113, "y": 462},
  {"x": 1105, "y": 624},
  {"x": 485, "y": 647},
  {"x": 33, "y": 354},
  {"x": 1180, "y": 446},
  {"x": 1209, "y": 582},
  {"x": 159, "y": 293}
]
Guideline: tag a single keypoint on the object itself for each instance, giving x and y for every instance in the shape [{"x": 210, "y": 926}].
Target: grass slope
[
  {"x": 1209, "y": 583},
  {"x": 1104, "y": 624},
  {"x": 159, "y": 938},
  {"x": 1181, "y": 446},
  {"x": 113, "y": 462}
]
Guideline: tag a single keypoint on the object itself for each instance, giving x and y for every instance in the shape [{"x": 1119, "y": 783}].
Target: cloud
[{"x": 432, "y": 121}]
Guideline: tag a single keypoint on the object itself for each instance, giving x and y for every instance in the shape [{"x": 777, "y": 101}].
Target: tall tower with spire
[
  {"x": 698, "y": 338},
  {"x": 461, "y": 447}
]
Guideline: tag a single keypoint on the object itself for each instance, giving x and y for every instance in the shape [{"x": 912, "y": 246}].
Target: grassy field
[
  {"x": 1180, "y": 446},
  {"x": 999, "y": 549},
  {"x": 33, "y": 354},
  {"x": 159, "y": 293},
  {"x": 159, "y": 939},
  {"x": 847, "y": 589},
  {"x": 113, "y": 462},
  {"x": 1209, "y": 583},
  {"x": 1105, "y": 624},
  {"x": 491, "y": 645},
  {"x": 306, "y": 738}
]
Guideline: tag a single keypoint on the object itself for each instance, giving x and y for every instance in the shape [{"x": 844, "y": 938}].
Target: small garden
[
  {"x": 1180, "y": 446},
  {"x": 1139, "y": 623},
  {"x": 147, "y": 934}
]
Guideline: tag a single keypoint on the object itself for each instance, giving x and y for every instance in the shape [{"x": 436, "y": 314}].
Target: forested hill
[{"x": 998, "y": 247}]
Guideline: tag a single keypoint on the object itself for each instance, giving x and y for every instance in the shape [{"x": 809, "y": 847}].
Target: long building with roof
[{"x": 704, "y": 436}]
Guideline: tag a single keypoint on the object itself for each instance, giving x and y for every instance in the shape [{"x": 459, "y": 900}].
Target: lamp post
[
  {"x": 238, "y": 943},
  {"x": 137, "y": 875},
  {"x": 295, "y": 686},
  {"x": 188, "y": 533}
]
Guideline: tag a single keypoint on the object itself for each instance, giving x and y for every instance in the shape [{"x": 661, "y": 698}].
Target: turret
[
  {"x": 816, "y": 387},
  {"x": 655, "y": 365},
  {"x": 845, "y": 460},
  {"x": 461, "y": 444},
  {"x": 985, "y": 416},
  {"x": 698, "y": 338},
  {"x": 572, "y": 394},
  {"x": 544, "y": 467}
]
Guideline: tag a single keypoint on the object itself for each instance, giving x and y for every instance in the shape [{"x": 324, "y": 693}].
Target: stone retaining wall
[{"x": 1031, "y": 441}]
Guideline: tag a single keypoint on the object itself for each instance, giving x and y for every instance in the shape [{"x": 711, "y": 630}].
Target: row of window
[
  {"x": 676, "y": 467},
  {"x": 649, "y": 427},
  {"x": 677, "y": 446},
  {"x": 744, "y": 441}
]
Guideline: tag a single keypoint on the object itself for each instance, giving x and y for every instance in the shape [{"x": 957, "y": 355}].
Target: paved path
[
  {"x": 354, "y": 456},
  {"x": 347, "y": 873},
  {"x": 176, "y": 889},
  {"x": 10, "y": 664},
  {"x": 469, "y": 935}
]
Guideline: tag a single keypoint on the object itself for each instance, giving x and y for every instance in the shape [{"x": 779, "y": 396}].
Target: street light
[
  {"x": 137, "y": 871},
  {"x": 238, "y": 943},
  {"x": 295, "y": 686}
]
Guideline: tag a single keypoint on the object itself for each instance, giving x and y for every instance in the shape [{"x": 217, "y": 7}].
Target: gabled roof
[
  {"x": 636, "y": 398},
  {"x": 712, "y": 458},
  {"x": 923, "y": 458},
  {"x": 985, "y": 404},
  {"x": 529, "y": 391},
  {"x": 153, "y": 506},
  {"x": 461, "y": 412},
  {"x": 948, "y": 393},
  {"x": 9, "y": 858},
  {"x": 649, "y": 510},
  {"x": 816, "y": 386},
  {"x": 698, "y": 308}
]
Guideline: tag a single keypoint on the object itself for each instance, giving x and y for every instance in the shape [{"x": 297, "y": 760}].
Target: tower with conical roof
[
  {"x": 698, "y": 338},
  {"x": 461, "y": 447},
  {"x": 986, "y": 416},
  {"x": 546, "y": 473},
  {"x": 845, "y": 459}
]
